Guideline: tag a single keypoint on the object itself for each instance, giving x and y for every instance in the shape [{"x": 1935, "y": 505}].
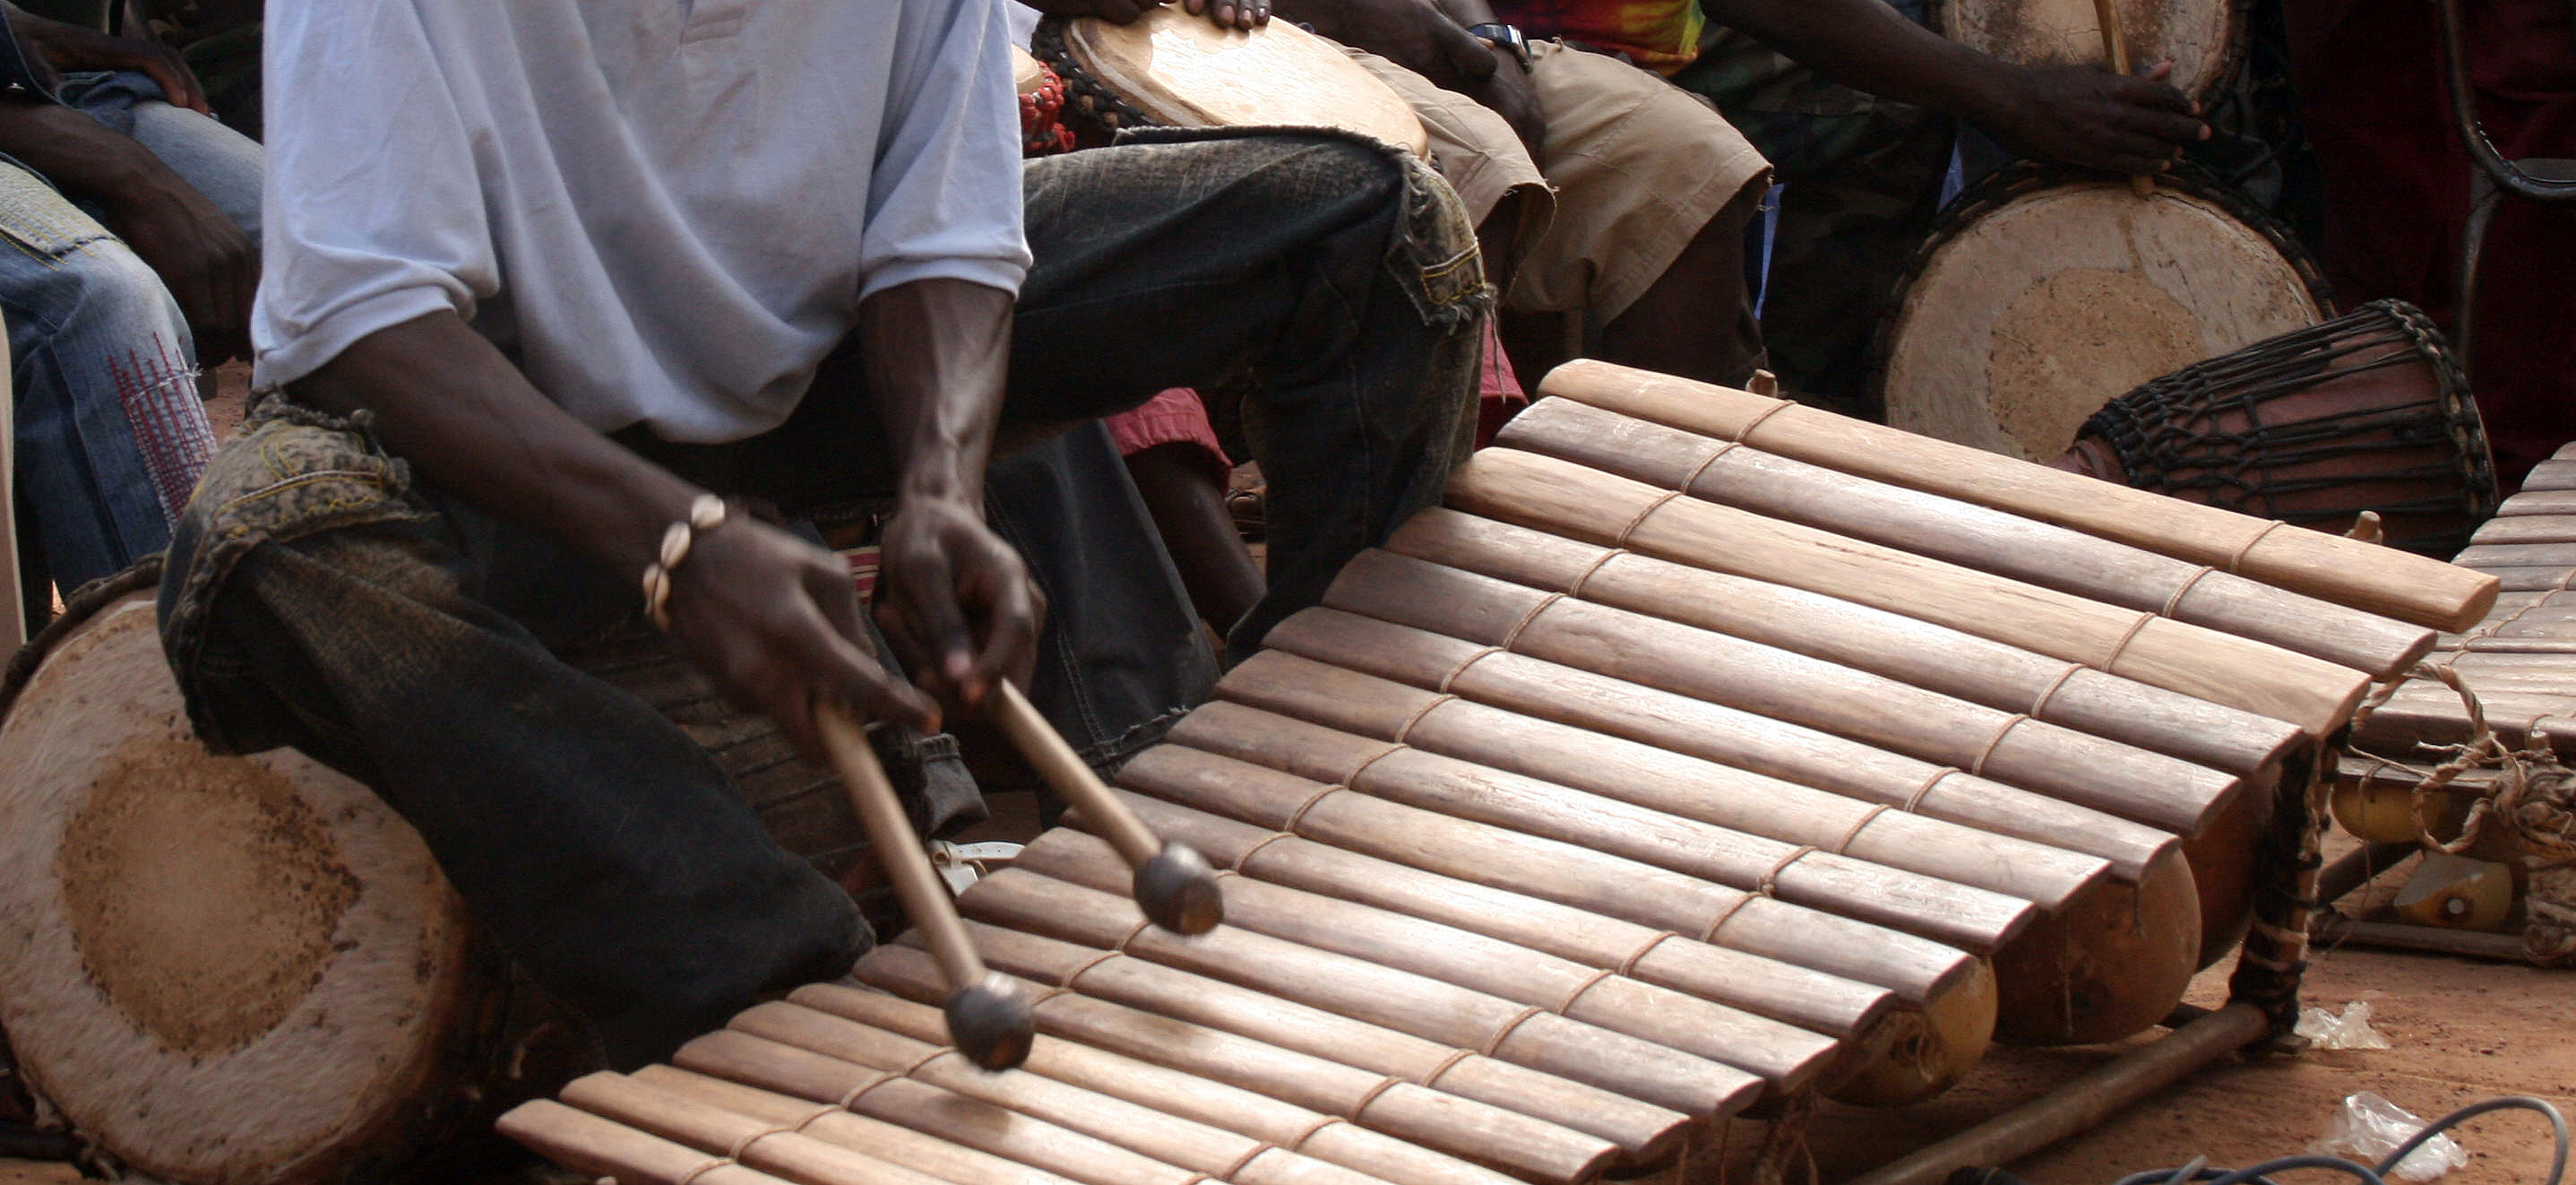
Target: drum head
[
  {"x": 1184, "y": 71},
  {"x": 2202, "y": 38},
  {"x": 1026, "y": 74},
  {"x": 2039, "y": 303},
  {"x": 222, "y": 969}
]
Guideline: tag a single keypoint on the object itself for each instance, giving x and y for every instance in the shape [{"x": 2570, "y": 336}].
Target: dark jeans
[{"x": 319, "y": 597}]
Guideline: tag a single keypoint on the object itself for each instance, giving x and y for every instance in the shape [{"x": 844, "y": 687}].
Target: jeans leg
[
  {"x": 335, "y": 610},
  {"x": 221, "y": 163},
  {"x": 1122, "y": 656},
  {"x": 1340, "y": 278},
  {"x": 111, "y": 434}
]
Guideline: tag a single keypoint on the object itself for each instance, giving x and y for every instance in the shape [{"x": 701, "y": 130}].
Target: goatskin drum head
[
  {"x": 222, "y": 970},
  {"x": 1026, "y": 74},
  {"x": 2027, "y": 318},
  {"x": 1184, "y": 71},
  {"x": 2200, "y": 37}
]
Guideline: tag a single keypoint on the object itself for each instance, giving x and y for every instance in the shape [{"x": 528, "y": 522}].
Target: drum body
[
  {"x": 1169, "y": 68},
  {"x": 2369, "y": 411},
  {"x": 1042, "y": 130},
  {"x": 2204, "y": 39},
  {"x": 2041, "y": 297},
  {"x": 250, "y": 969}
]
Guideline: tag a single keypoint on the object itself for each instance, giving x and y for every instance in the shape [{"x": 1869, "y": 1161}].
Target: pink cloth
[{"x": 1177, "y": 416}]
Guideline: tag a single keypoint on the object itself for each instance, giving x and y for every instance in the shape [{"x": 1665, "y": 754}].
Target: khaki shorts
[{"x": 1636, "y": 164}]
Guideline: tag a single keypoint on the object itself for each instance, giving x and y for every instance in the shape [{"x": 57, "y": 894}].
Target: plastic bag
[
  {"x": 2352, "y": 1030},
  {"x": 2367, "y": 1128}
]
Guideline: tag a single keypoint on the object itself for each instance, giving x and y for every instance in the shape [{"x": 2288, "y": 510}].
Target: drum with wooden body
[
  {"x": 2042, "y": 295},
  {"x": 1042, "y": 130},
  {"x": 239, "y": 970},
  {"x": 2204, "y": 39},
  {"x": 1169, "y": 68},
  {"x": 2368, "y": 411},
  {"x": 1703, "y": 752}
]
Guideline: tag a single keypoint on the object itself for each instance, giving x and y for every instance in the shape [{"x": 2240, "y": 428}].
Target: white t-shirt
[{"x": 666, "y": 210}]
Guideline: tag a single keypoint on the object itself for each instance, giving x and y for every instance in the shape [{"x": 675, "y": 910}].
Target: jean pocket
[{"x": 290, "y": 472}]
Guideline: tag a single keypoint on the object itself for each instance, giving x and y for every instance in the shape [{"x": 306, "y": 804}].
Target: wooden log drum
[{"x": 2042, "y": 294}]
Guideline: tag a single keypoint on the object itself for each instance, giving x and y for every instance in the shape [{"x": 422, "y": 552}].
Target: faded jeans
[
  {"x": 319, "y": 596},
  {"x": 110, "y": 432}
]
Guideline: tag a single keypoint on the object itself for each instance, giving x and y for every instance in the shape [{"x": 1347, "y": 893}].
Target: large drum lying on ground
[
  {"x": 2043, "y": 294},
  {"x": 249, "y": 970}
]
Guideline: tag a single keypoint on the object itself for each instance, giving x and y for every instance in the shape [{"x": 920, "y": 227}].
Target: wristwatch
[{"x": 1504, "y": 36}]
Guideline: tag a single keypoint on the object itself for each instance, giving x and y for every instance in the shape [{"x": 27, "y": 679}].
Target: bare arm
[
  {"x": 2078, "y": 115},
  {"x": 210, "y": 267},
  {"x": 958, "y": 603},
  {"x": 771, "y": 618}
]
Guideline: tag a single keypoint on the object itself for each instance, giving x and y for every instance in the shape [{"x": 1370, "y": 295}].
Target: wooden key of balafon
[
  {"x": 1174, "y": 885},
  {"x": 988, "y": 1017}
]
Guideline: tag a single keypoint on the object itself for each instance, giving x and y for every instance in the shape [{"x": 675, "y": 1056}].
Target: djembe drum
[
  {"x": 2204, "y": 39},
  {"x": 2043, "y": 293},
  {"x": 237, "y": 970},
  {"x": 1169, "y": 68},
  {"x": 1704, "y": 751},
  {"x": 2367, "y": 412}
]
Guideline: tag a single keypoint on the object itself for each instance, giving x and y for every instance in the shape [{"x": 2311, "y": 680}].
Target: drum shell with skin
[
  {"x": 2043, "y": 294},
  {"x": 2204, "y": 39},
  {"x": 2367, "y": 412},
  {"x": 238, "y": 970},
  {"x": 1170, "y": 68}
]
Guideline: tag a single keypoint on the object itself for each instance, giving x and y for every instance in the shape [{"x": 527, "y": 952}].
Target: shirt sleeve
[
  {"x": 372, "y": 213},
  {"x": 944, "y": 195}
]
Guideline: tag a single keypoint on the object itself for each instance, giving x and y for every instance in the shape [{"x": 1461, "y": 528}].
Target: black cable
[{"x": 2199, "y": 1171}]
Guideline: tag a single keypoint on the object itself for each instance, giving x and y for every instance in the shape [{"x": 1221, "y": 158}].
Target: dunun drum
[
  {"x": 1703, "y": 751},
  {"x": 2204, "y": 39},
  {"x": 2369, "y": 411},
  {"x": 249, "y": 970},
  {"x": 2041, "y": 296},
  {"x": 1168, "y": 68}
]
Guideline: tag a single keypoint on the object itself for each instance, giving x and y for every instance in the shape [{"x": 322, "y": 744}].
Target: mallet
[
  {"x": 988, "y": 1017},
  {"x": 2115, "y": 46},
  {"x": 1174, "y": 885}
]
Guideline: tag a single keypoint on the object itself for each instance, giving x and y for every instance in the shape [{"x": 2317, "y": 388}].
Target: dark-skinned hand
[
  {"x": 57, "y": 48},
  {"x": 209, "y": 265},
  {"x": 1224, "y": 14},
  {"x": 774, "y": 622},
  {"x": 955, "y": 601},
  {"x": 2089, "y": 117}
]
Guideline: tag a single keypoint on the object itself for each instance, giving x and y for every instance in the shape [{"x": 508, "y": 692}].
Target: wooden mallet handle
[
  {"x": 1174, "y": 885},
  {"x": 2115, "y": 46},
  {"x": 989, "y": 1019}
]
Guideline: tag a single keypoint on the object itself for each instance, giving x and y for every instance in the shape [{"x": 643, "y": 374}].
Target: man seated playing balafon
[{"x": 547, "y": 277}]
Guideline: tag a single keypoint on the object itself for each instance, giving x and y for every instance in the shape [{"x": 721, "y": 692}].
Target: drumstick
[
  {"x": 1174, "y": 884},
  {"x": 988, "y": 1017},
  {"x": 2115, "y": 44}
]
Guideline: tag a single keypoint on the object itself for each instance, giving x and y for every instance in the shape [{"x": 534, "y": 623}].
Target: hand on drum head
[
  {"x": 2088, "y": 117},
  {"x": 1225, "y": 14},
  {"x": 1238, "y": 14},
  {"x": 772, "y": 619},
  {"x": 956, "y": 601}
]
